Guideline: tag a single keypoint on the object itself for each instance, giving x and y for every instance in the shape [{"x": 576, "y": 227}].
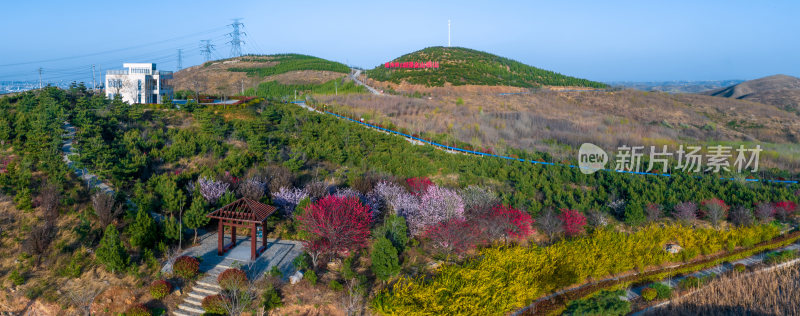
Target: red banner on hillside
[{"x": 411, "y": 64}]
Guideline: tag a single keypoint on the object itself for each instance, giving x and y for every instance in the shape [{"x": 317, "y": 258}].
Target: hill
[
  {"x": 779, "y": 90},
  {"x": 233, "y": 75},
  {"x": 677, "y": 86},
  {"x": 462, "y": 66}
]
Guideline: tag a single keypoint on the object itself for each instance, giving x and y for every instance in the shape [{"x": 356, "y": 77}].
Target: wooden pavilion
[{"x": 244, "y": 213}]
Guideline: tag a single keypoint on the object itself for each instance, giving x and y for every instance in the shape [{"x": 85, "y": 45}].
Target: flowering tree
[
  {"x": 572, "y": 221},
  {"x": 341, "y": 223},
  {"x": 389, "y": 193},
  {"x": 418, "y": 185},
  {"x": 784, "y": 209},
  {"x": 653, "y": 212},
  {"x": 436, "y": 205},
  {"x": 452, "y": 236},
  {"x": 504, "y": 222},
  {"x": 686, "y": 211},
  {"x": 211, "y": 190},
  {"x": 716, "y": 210},
  {"x": 478, "y": 201},
  {"x": 287, "y": 199}
]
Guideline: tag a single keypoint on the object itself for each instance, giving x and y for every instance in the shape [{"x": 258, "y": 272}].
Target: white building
[{"x": 139, "y": 83}]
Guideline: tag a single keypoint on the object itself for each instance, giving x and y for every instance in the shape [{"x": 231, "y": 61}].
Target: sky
[{"x": 599, "y": 40}]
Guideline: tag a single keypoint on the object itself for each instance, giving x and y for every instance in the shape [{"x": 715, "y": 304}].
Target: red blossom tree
[
  {"x": 340, "y": 223},
  {"x": 504, "y": 222},
  {"x": 784, "y": 209},
  {"x": 453, "y": 236},
  {"x": 572, "y": 221},
  {"x": 715, "y": 210},
  {"x": 418, "y": 185}
]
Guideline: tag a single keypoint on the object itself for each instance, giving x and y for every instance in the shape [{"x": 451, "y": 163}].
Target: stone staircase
[{"x": 207, "y": 285}]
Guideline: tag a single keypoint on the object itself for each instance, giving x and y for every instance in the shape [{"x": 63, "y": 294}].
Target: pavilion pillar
[
  {"x": 220, "y": 237},
  {"x": 233, "y": 236},
  {"x": 264, "y": 236},
  {"x": 253, "y": 241}
]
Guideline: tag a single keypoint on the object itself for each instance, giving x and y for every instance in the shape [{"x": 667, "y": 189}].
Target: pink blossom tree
[
  {"x": 287, "y": 199},
  {"x": 436, "y": 205},
  {"x": 339, "y": 223},
  {"x": 211, "y": 190},
  {"x": 452, "y": 236}
]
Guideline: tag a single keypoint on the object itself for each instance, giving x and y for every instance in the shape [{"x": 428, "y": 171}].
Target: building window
[{"x": 140, "y": 84}]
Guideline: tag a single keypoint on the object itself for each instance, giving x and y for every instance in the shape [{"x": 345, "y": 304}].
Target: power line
[{"x": 236, "y": 41}]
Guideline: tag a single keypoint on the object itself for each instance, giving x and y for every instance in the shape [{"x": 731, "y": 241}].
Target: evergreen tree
[
  {"x": 196, "y": 215},
  {"x": 396, "y": 231},
  {"x": 143, "y": 231},
  {"x": 634, "y": 214},
  {"x": 111, "y": 253},
  {"x": 172, "y": 229},
  {"x": 385, "y": 262}
]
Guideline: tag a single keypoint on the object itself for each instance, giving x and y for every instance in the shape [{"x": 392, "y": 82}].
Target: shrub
[
  {"x": 385, "y": 263},
  {"x": 604, "y": 303},
  {"x": 663, "y": 291},
  {"x": 16, "y": 277},
  {"x": 739, "y": 267},
  {"x": 311, "y": 276},
  {"x": 160, "y": 289},
  {"x": 649, "y": 294},
  {"x": 572, "y": 221},
  {"x": 335, "y": 286},
  {"x": 214, "y": 304},
  {"x": 186, "y": 267},
  {"x": 780, "y": 256},
  {"x": 690, "y": 282},
  {"x": 232, "y": 280},
  {"x": 271, "y": 298},
  {"x": 138, "y": 310},
  {"x": 275, "y": 272}
]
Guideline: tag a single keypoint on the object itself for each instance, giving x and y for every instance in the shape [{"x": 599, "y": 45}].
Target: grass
[{"x": 771, "y": 293}]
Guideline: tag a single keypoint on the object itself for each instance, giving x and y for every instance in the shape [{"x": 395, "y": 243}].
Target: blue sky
[{"x": 599, "y": 40}]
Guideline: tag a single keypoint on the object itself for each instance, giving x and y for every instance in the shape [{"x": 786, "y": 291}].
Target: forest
[
  {"x": 410, "y": 210},
  {"x": 291, "y": 62}
]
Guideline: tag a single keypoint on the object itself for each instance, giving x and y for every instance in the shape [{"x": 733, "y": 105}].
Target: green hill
[
  {"x": 463, "y": 66},
  {"x": 288, "y": 62}
]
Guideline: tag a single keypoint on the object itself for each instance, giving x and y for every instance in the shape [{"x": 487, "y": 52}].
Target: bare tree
[
  {"x": 317, "y": 189},
  {"x": 103, "y": 205},
  {"x": 49, "y": 198},
  {"x": 549, "y": 223},
  {"x": 654, "y": 212},
  {"x": 353, "y": 298},
  {"x": 39, "y": 240},
  {"x": 764, "y": 212},
  {"x": 254, "y": 188},
  {"x": 235, "y": 301},
  {"x": 686, "y": 212},
  {"x": 279, "y": 176},
  {"x": 82, "y": 297},
  {"x": 597, "y": 218},
  {"x": 741, "y": 216}
]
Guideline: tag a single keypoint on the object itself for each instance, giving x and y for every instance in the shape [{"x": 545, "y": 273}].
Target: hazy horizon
[{"x": 609, "y": 42}]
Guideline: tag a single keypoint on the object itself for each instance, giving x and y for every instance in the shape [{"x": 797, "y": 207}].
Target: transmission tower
[
  {"x": 236, "y": 38},
  {"x": 205, "y": 48},
  {"x": 40, "y": 77},
  {"x": 180, "y": 59}
]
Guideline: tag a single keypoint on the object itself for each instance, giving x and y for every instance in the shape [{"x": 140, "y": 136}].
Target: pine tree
[
  {"x": 111, "y": 253},
  {"x": 195, "y": 217},
  {"x": 385, "y": 262},
  {"x": 172, "y": 229},
  {"x": 143, "y": 231}
]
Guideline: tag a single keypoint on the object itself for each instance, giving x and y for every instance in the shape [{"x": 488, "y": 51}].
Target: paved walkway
[
  {"x": 68, "y": 150},
  {"x": 355, "y": 75},
  {"x": 279, "y": 253}
]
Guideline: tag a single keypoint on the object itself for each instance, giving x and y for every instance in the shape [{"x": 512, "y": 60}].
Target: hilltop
[
  {"x": 231, "y": 76},
  {"x": 463, "y": 66},
  {"x": 779, "y": 90}
]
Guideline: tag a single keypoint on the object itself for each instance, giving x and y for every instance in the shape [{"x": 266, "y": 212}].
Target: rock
[
  {"x": 296, "y": 277},
  {"x": 672, "y": 248},
  {"x": 177, "y": 291}
]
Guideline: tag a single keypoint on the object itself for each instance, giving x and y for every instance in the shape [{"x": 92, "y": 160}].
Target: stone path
[
  {"x": 279, "y": 253},
  {"x": 68, "y": 150}
]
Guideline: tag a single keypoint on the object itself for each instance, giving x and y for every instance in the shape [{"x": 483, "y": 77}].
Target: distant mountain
[
  {"x": 460, "y": 66},
  {"x": 779, "y": 90},
  {"x": 677, "y": 86}
]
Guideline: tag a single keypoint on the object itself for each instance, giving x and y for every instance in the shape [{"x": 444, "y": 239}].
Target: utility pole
[
  {"x": 94, "y": 83},
  {"x": 205, "y": 48},
  {"x": 40, "y": 77},
  {"x": 236, "y": 40},
  {"x": 180, "y": 59},
  {"x": 336, "y": 87},
  {"x": 448, "y": 33},
  {"x": 242, "y": 86}
]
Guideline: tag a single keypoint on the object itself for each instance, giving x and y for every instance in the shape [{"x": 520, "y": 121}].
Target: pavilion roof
[{"x": 244, "y": 210}]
